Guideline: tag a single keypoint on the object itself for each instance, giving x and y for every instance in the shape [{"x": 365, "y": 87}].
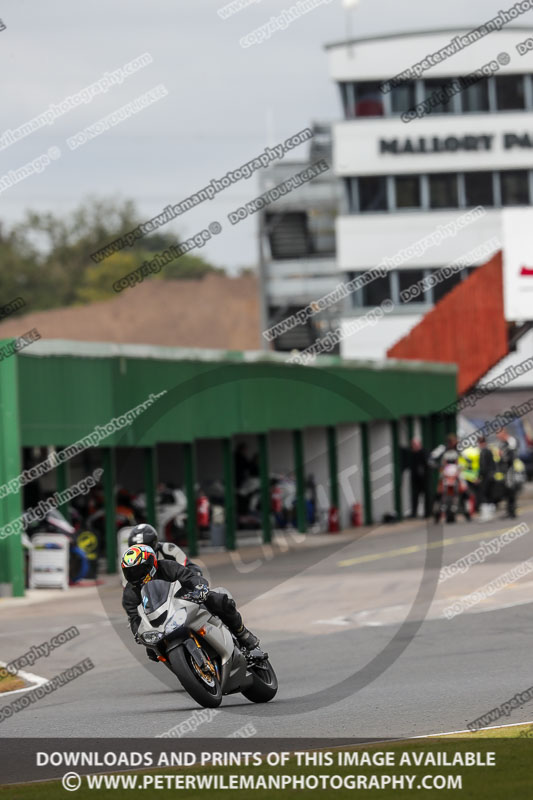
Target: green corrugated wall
[{"x": 63, "y": 397}]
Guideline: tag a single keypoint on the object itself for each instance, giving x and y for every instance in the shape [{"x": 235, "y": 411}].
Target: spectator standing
[
  {"x": 486, "y": 480},
  {"x": 418, "y": 469},
  {"x": 507, "y": 445}
]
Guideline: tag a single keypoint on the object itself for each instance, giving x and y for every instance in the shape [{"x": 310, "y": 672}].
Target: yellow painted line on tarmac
[
  {"x": 377, "y": 556},
  {"x": 417, "y": 548}
]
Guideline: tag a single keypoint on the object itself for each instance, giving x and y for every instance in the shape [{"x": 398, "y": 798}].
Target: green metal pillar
[
  {"x": 395, "y": 435},
  {"x": 410, "y": 430},
  {"x": 150, "y": 482},
  {"x": 229, "y": 494},
  {"x": 265, "y": 488},
  {"x": 189, "y": 460},
  {"x": 333, "y": 468},
  {"x": 367, "y": 485},
  {"x": 450, "y": 423},
  {"x": 298, "y": 447},
  {"x": 108, "y": 479},
  {"x": 427, "y": 436},
  {"x": 11, "y": 552},
  {"x": 62, "y": 484},
  {"x": 431, "y": 476},
  {"x": 438, "y": 428}
]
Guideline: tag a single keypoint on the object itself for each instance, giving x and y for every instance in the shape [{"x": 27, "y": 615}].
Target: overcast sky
[{"x": 224, "y": 103}]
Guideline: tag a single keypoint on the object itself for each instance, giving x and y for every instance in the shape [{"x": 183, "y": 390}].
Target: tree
[
  {"x": 98, "y": 279},
  {"x": 46, "y": 258},
  {"x": 20, "y": 275}
]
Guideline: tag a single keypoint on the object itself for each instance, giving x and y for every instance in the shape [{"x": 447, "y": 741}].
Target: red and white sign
[{"x": 517, "y": 235}]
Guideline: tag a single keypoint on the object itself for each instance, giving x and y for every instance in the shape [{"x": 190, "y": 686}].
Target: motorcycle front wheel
[
  {"x": 265, "y": 684},
  {"x": 202, "y": 686}
]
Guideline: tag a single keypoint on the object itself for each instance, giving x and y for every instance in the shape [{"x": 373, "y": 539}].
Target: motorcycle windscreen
[{"x": 154, "y": 594}]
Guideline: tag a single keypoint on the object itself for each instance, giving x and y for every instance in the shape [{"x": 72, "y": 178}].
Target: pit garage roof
[{"x": 65, "y": 389}]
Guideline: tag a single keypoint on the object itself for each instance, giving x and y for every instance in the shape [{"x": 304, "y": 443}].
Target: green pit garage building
[{"x": 342, "y": 421}]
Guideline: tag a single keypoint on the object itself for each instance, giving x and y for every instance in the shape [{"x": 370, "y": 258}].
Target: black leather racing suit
[{"x": 217, "y": 603}]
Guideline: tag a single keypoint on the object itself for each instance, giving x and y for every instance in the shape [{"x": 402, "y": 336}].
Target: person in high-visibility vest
[
  {"x": 469, "y": 465},
  {"x": 498, "y": 489}
]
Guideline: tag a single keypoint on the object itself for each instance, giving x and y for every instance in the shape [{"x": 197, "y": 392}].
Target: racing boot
[{"x": 246, "y": 639}]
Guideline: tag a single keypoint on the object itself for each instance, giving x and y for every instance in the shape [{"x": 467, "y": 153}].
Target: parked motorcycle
[
  {"x": 249, "y": 504},
  {"x": 199, "y": 649},
  {"x": 125, "y": 514},
  {"x": 172, "y": 515}
]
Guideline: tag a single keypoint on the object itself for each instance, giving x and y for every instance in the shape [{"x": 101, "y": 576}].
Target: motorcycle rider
[
  {"x": 441, "y": 456},
  {"x": 147, "y": 534},
  {"x": 444, "y": 452},
  {"x": 140, "y": 565}
]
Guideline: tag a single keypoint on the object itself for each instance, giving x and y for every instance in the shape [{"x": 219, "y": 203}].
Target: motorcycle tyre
[
  {"x": 192, "y": 685},
  {"x": 259, "y": 691}
]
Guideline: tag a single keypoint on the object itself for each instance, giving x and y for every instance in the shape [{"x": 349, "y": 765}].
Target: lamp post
[{"x": 349, "y": 5}]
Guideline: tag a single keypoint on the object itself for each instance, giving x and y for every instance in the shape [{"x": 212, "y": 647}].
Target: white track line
[
  {"x": 35, "y": 680},
  {"x": 489, "y": 728}
]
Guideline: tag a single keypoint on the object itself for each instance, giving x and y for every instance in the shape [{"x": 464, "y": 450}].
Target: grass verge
[
  {"x": 511, "y": 776},
  {"x": 10, "y": 683}
]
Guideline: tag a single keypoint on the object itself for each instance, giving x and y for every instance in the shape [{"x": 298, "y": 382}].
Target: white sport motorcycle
[{"x": 199, "y": 649}]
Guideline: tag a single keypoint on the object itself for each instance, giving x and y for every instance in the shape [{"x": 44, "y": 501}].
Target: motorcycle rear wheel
[
  {"x": 265, "y": 685},
  {"x": 184, "y": 669}
]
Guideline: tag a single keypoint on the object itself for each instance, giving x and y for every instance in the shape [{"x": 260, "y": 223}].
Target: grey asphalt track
[{"x": 325, "y": 610}]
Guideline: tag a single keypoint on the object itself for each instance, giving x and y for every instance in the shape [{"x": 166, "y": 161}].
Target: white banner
[
  {"x": 49, "y": 561},
  {"x": 517, "y": 239}
]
